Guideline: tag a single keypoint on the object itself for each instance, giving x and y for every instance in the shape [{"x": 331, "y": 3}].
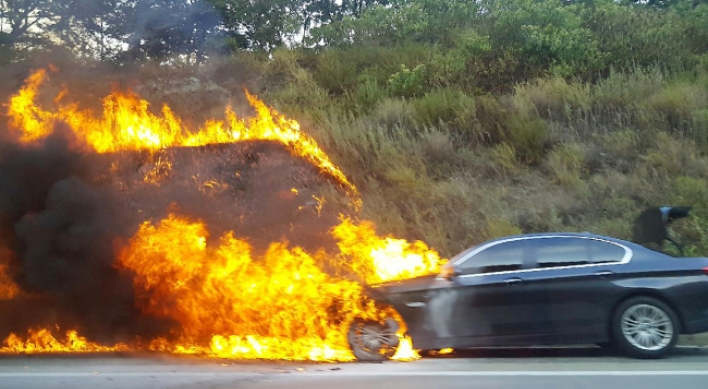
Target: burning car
[
  {"x": 550, "y": 289},
  {"x": 126, "y": 228}
]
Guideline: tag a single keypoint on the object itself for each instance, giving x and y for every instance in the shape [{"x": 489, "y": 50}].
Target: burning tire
[{"x": 372, "y": 341}]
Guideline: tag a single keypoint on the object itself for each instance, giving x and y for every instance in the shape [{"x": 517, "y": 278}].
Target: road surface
[{"x": 497, "y": 369}]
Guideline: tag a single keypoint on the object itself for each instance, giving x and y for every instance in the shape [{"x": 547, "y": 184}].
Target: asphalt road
[{"x": 498, "y": 369}]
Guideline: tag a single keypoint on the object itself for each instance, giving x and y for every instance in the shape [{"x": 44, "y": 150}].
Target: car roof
[
  {"x": 586, "y": 235},
  {"x": 560, "y": 235}
]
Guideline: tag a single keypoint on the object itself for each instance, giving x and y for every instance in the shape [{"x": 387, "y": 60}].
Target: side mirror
[{"x": 448, "y": 272}]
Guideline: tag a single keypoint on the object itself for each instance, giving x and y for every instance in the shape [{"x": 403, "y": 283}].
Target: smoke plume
[{"x": 60, "y": 223}]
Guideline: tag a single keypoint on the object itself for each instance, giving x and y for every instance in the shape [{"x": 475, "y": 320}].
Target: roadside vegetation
[{"x": 461, "y": 121}]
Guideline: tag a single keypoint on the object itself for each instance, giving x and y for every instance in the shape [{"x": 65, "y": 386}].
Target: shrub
[
  {"x": 446, "y": 107},
  {"x": 368, "y": 94},
  {"x": 497, "y": 228},
  {"x": 622, "y": 142},
  {"x": 528, "y": 136},
  {"x": 334, "y": 74},
  {"x": 408, "y": 83},
  {"x": 628, "y": 89},
  {"x": 700, "y": 118},
  {"x": 552, "y": 98},
  {"x": 678, "y": 103},
  {"x": 691, "y": 191},
  {"x": 504, "y": 155},
  {"x": 619, "y": 207},
  {"x": 280, "y": 71},
  {"x": 566, "y": 163},
  {"x": 300, "y": 93},
  {"x": 439, "y": 154},
  {"x": 392, "y": 113}
]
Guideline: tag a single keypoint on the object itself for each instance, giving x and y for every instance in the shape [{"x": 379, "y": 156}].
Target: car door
[
  {"x": 573, "y": 284},
  {"x": 491, "y": 301}
]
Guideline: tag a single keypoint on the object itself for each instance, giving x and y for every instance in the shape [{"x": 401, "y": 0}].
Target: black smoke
[{"x": 61, "y": 221}]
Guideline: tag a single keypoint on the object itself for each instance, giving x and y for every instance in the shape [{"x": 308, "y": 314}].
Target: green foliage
[
  {"x": 548, "y": 35},
  {"x": 369, "y": 93},
  {"x": 445, "y": 107},
  {"x": 528, "y": 136},
  {"x": 408, "y": 83}
]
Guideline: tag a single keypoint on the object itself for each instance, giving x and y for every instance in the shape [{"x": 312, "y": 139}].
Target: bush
[
  {"x": 552, "y": 98},
  {"x": 368, "y": 94},
  {"x": 504, "y": 155},
  {"x": 444, "y": 107},
  {"x": 528, "y": 136},
  {"x": 408, "y": 83},
  {"x": 334, "y": 74},
  {"x": 497, "y": 228},
  {"x": 566, "y": 163},
  {"x": 678, "y": 103},
  {"x": 628, "y": 89},
  {"x": 393, "y": 113}
]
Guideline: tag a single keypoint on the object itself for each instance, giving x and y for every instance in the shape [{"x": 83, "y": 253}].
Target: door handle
[
  {"x": 604, "y": 273},
  {"x": 513, "y": 281}
]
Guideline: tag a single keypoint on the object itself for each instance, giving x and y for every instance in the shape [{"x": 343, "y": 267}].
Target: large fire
[
  {"x": 227, "y": 301},
  {"x": 128, "y": 124}
]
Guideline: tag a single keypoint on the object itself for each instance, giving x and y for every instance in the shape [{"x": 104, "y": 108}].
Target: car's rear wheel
[
  {"x": 372, "y": 341},
  {"x": 644, "y": 327}
]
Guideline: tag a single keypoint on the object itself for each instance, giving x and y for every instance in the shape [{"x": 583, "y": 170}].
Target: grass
[{"x": 454, "y": 168}]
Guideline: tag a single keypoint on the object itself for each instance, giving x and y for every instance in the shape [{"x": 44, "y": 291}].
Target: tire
[
  {"x": 372, "y": 341},
  {"x": 646, "y": 328}
]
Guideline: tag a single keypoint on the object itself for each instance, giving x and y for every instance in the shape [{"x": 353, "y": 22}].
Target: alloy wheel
[
  {"x": 372, "y": 341},
  {"x": 647, "y": 327}
]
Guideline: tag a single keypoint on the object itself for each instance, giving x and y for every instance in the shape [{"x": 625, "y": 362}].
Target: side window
[
  {"x": 558, "y": 252},
  {"x": 506, "y": 256},
  {"x": 604, "y": 252}
]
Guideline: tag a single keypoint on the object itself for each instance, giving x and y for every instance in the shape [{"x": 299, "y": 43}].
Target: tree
[
  {"x": 158, "y": 29},
  {"x": 82, "y": 25},
  {"x": 543, "y": 34},
  {"x": 22, "y": 20},
  {"x": 259, "y": 24},
  {"x": 77, "y": 24},
  {"x": 396, "y": 21}
]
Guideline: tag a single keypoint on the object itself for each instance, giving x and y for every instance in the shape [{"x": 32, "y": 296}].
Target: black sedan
[{"x": 546, "y": 289}]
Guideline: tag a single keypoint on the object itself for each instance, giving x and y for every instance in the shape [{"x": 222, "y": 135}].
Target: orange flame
[
  {"x": 127, "y": 124},
  {"x": 42, "y": 341},
  {"x": 379, "y": 259}
]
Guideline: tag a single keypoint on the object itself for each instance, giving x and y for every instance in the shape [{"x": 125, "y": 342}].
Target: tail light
[{"x": 705, "y": 270}]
